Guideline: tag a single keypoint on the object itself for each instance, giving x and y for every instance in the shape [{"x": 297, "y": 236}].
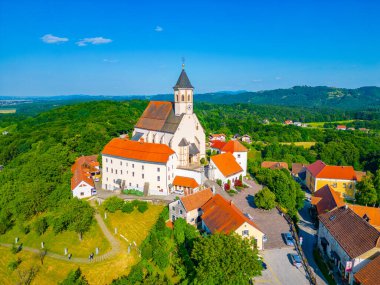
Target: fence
[{"x": 298, "y": 247}]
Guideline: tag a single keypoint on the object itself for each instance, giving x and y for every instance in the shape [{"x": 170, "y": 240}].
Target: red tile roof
[
  {"x": 298, "y": 167},
  {"x": 81, "y": 170},
  {"x": 234, "y": 146},
  {"x": 372, "y": 213},
  {"x": 319, "y": 169},
  {"x": 359, "y": 175},
  {"x": 185, "y": 182},
  {"x": 370, "y": 273},
  {"x": 274, "y": 165},
  {"x": 196, "y": 200},
  {"x": 226, "y": 164},
  {"x": 222, "y": 216},
  {"x": 155, "y": 115},
  {"x": 217, "y": 144},
  {"x": 316, "y": 167},
  {"x": 354, "y": 234},
  {"x": 152, "y": 152},
  {"x": 326, "y": 199}
]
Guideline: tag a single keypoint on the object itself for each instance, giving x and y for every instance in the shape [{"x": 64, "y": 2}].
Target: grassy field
[
  {"x": 56, "y": 243},
  {"x": 320, "y": 124},
  {"x": 7, "y": 111},
  {"x": 134, "y": 226},
  {"x": 304, "y": 144}
]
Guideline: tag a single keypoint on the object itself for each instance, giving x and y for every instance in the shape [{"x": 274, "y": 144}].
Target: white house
[
  {"x": 189, "y": 207},
  {"x": 84, "y": 168},
  {"x": 239, "y": 151},
  {"x": 147, "y": 167},
  {"x": 348, "y": 240},
  {"x": 222, "y": 216},
  {"x": 224, "y": 167},
  {"x": 217, "y": 137}
]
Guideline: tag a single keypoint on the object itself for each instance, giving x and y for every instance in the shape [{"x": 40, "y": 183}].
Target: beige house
[
  {"x": 189, "y": 207},
  {"x": 348, "y": 240},
  {"x": 220, "y": 215}
]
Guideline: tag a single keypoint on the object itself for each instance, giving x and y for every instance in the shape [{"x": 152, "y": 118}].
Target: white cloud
[
  {"x": 50, "y": 39},
  {"x": 257, "y": 80},
  {"x": 108, "y": 60},
  {"x": 158, "y": 29},
  {"x": 93, "y": 41},
  {"x": 278, "y": 78}
]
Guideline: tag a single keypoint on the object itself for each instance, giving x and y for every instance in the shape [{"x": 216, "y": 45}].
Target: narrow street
[{"x": 309, "y": 234}]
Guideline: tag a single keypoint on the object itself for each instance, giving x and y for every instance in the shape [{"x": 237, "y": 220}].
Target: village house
[
  {"x": 348, "y": 240},
  {"x": 224, "y": 167},
  {"x": 326, "y": 199},
  {"x": 299, "y": 171},
  {"x": 83, "y": 170},
  {"x": 217, "y": 146},
  {"x": 147, "y": 167},
  {"x": 184, "y": 185},
  {"x": 222, "y": 216},
  {"x": 341, "y": 127},
  {"x": 274, "y": 165},
  {"x": 246, "y": 139},
  {"x": 288, "y": 122},
  {"x": 370, "y": 273},
  {"x": 189, "y": 207},
  {"x": 341, "y": 178},
  {"x": 217, "y": 137}
]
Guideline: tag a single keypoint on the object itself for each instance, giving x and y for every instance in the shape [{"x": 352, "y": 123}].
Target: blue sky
[{"x": 135, "y": 47}]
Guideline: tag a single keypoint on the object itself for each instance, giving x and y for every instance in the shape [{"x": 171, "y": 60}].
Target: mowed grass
[
  {"x": 134, "y": 226},
  {"x": 7, "y": 111},
  {"x": 58, "y": 242},
  {"x": 303, "y": 144},
  {"x": 320, "y": 124},
  {"x": 54, "y": 271}
]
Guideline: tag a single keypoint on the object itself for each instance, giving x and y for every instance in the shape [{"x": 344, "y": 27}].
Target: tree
[
  {"x": 179, "y": 230},
  {"x": 74, "y": 277},
  {"x": 225, "y": 259},
  {"x": 113, "y": 204},
  {"x": 41, "y": 225},
  {"x": 265, "y": 199},
  {"x": 366, "y": 193}
]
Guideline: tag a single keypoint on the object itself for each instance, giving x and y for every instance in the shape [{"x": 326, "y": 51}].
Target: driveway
[
  {"x": 309, "y": 235},
  {"x": 280, "y": 270},
  {"x": 270, "y": 222}
]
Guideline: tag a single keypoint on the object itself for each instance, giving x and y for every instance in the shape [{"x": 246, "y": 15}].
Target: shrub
[
  {"x": 203, "y": 161},
  {"x": 226, "y": 187},
  {"x": 14, "y": 264},
  {"x": 219, "y": 182},
  {"x": 238, "y": 183},
  {"x": 113, "y": 204},
  {"x": 133, "y": 192},
  {"x": 142, "y": 207},
  {"x": 135, "y": 203},
  {"x": 147, "y": 251},
  {"x": 127, "y": 207},
  {"x": 25, "y": 229},
  {"x": 16, "y": 248},
  {"x": 161, "y": 257},
  {"x": 265, "y": 199},
  {"x": 41, "y": 225}
]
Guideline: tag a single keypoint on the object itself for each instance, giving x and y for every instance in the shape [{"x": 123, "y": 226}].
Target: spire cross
[{"x": 183, "y": 62}]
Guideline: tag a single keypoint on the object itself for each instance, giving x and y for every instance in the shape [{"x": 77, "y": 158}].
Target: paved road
[
  {"x": 115, "y": 247},
  {"x": 280, "y": 270},
  {"x": 270, "y": 222},
  {"x": 309, "y": 235}
]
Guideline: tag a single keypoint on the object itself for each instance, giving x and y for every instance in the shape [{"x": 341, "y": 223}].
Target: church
[{"x": 168, "y": 142}]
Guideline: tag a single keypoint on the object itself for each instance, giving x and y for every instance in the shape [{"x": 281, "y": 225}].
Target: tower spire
[{"x": 183, "y": 63}]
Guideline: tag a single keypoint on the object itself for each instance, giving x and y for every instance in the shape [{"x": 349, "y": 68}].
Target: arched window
[
  {"x": 188, "y": 97},
  {"x": 177, "y": 98},
  {"x": 183, "y": 98}
]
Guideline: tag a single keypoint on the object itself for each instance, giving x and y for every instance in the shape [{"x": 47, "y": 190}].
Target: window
[
  {"x": 142, "y": 167},
  {"x": 81, "y": 193},
  {"x": 177, "y": 98},
  {"x": 115, "y": 171},
  {"x": 183, "y": 98},
  {"x": 158, "y": 178},
  {"x": 107, "y": 179},
  {"x": 106, "y": 169},
  {"x": 133, "y": 174},
  {"x": 121, "y": 172},
  {"x": 106, "y": 159},
  {"x": 168, "y": 177},
  {"x": 130, "y": 184},
  {"x": 188, "y": 97},
  {"x": 133, "y": 165},
  {"x": 121, "y": 163},
  {"x": 142, "y": 176},
  {"x": 180, "y": 211},
  {"x": 173, "y": 208},
  {"x": 334, "y": 185},
  {"x": 137, "y": 185},
  {"x": 192, "y": 220},
  {"x": 158, "y": 169},
  {"x": 238, "y": 155},
  {"x": 173, "y": 218},
  {"x": 245, "y": 232},
  {"x": 344, "y": 185},
  {"x": 111, "y": 170},
  {"x": 111, "y": 161}
]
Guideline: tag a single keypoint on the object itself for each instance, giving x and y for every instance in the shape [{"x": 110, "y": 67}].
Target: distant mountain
[{"x": 304, "y": 96}]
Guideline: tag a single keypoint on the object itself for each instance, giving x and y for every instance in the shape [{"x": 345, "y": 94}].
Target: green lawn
[
  {"x": 320, "y": 124},
  {"x": 134, "y": 226},
  {"x": 56, "y": 243}
]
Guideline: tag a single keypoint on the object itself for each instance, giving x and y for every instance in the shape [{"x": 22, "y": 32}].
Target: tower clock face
[{"x": 189, "y": 107}]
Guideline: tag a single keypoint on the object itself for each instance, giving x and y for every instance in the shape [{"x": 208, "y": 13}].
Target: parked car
[
  {"x": 296, "y": 260},
  {"x": 249, "y": 216},
  {"x": 288, "y": 239},
  {"x": 93, "y": 192}
]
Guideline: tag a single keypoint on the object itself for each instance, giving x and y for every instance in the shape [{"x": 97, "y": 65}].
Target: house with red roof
[
  {"x": 147, "y": 167},
  {"x": 222, "y": 216},
  {"x": 341, "y": 127},
  {"x": 83, "y": 170},
  {"x": 189, "y": 207},
  {"x": 217, "y": 137},
  {"x": 184, "y": 185},
  {"x": 341, "y": 178},
  {"x": 225, "y": 167}
]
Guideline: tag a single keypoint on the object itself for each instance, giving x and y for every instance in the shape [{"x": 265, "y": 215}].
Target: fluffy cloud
[
  {"x": 158, "y": 29},
  {"x": 93, "y": 41},
  {"x": 50, "y": 39}
]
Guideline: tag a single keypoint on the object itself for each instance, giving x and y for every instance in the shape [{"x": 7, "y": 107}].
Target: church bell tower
[{"x": 183, "y": 94}]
